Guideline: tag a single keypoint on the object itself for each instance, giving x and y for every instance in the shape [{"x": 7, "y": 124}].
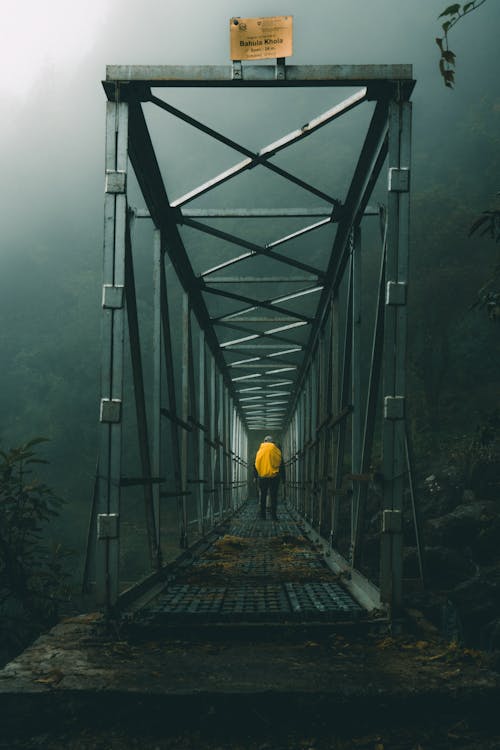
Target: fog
[{"x": 51, "y": 189}]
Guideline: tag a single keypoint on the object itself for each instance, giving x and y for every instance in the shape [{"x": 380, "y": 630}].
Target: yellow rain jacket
[{"x": 268, "y": 460}]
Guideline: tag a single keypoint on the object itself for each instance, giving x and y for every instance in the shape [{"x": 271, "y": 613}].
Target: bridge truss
[{"x": 241, "y": 336}]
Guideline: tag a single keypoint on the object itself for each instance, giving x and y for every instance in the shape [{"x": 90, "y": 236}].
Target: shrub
[{"x": 32, "y": 575}]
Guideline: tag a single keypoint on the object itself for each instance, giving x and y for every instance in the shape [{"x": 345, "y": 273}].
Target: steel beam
[
  {"x": 172, "y": 398},
  {"x": 113, "y": 325},
  {"x": 394, "y": 378},
  {"x": 156, "y": 446},
  {"x": 356, "y": 363},
  {"x": 368, "y": 167},
  {"x": 252, "y": 246},
  {"x": 213, "y": 421},
  {"x": 140, "y": 398},
  {"x": 256, "y": 75},
  {"x": 147, "y": 171},
  {"x": 268, "y": 304},
  {"x": 186, "y": 365}
]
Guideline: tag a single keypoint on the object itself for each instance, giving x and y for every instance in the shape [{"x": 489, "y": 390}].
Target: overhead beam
[
  {"x": 256, "y": 213},
  {"x": 258, "y": 75}
]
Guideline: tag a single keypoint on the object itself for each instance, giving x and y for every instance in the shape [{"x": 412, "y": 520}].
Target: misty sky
[
  {"x": 54, "y": 39},
  {"x": 53, "y": 57}
]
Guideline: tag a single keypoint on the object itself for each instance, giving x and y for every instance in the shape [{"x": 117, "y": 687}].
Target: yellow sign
[{"x": 260, "y": 38}]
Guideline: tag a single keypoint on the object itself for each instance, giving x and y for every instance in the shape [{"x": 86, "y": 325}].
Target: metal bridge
[{"x": 223, "y": 322}]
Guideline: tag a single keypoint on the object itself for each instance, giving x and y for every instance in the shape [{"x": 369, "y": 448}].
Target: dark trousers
[{"x": 272, "y": 485}]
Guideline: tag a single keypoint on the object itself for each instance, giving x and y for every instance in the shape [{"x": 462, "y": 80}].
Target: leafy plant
[
  {"x": 488, "y": 224},
  {"x": 453, "y": 14},
  {"x": 32, "y": 576},
  {"x": 478, "y": 456}
]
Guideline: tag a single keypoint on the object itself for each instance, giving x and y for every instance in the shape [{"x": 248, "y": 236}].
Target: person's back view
[{"x": 269, "y": 468}]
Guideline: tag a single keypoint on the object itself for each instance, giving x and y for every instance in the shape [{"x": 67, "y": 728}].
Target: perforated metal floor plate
[{"x": 259, "y": 571}]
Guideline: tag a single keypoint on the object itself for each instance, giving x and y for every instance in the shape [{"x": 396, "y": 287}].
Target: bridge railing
[{"x": 173, "y": 459}]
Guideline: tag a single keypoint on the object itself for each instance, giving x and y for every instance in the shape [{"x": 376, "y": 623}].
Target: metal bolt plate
[
  {"x": 116, "y": 182},
  {"x": 394, "y": 407},
  {"x": 399, "y": 180},
  {"x": 107, "y": 525},
  {"x": 395, "y": 293},
  {"x": 111, "y": 410},
  {"x": 112, "y": 297},
  {"x": 392, "y": 522}
]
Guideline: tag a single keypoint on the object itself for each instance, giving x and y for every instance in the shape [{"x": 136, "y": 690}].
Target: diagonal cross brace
[
  {"x": 267, "y": 304},
  {"x": 262, "y": 156},
  {"x": 252, "y": 246},
  {"x": 147, "y": 171}
]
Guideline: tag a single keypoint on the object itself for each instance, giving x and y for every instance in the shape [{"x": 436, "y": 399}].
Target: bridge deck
[
  {"x": 247, "y": 638},
  {"x": 255, "y": 571}
]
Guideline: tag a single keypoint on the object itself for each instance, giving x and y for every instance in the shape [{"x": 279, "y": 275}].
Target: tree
[{"x": 453, "y": 14}]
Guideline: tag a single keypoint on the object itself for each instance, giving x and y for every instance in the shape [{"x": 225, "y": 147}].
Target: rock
[
  {"x": 468, "y": 496},
  {"x": 484, "y": 479},
  {"x": 446, "y": 568},
  {"x": 486, "y": 546},
  {"x": 461, "y": 527},
  {"x": 440, "y": 494},
  {"x": 478, "y": 602},
  {"x": 489, "y": 636}
]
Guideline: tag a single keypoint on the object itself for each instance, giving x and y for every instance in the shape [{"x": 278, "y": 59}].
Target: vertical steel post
[
  {"x": 213, "y": 446},
  {"x": 327, "y": 413},
  {"x": 320, "y": 431},
  {"x": 172, "y": 399},
  {"x": 313, "y": 405},
  {"x": 193, "y": 441},
  {"x": 220, "y": 445},
  {"x": 372, "y": 395},
  {"x": 293, "y": 477},
  {"x": 335, "y": 433},
  {"x": 234, "y": 458},
  {"x": 394, "y": 386},
  {"x": 113, "y": 324},
  {"x": 303, "y": 440},
  {"x": 343, "y": 393},
  {"x": 356, "y": 394},
  {"x": 140, "y": 398},
  {"x": 156, "y": 463},
  {"x": 227, "y": 446},
  {"x": 202, "y": 432},
  {"x": 186, "y": 314}
]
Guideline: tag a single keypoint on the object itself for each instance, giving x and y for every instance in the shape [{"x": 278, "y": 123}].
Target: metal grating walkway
[{"x": 255, "y": 571}]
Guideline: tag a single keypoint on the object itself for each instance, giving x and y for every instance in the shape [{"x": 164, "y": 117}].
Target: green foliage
[
  {"x": 478, "y": 457},
  {"x": 453, "y": 14},
  {"x": 488, "y": 224},
  {"x": 32, "y": 577}
]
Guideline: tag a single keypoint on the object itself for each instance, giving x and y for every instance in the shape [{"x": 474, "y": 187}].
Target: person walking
[{"x": 269, "y": 469}]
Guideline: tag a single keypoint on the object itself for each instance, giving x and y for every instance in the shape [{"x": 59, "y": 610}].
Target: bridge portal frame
[{"x": 219, "y": 415}]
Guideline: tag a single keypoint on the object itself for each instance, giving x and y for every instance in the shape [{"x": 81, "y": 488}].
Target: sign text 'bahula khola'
[{"x": 260, "y": 38}]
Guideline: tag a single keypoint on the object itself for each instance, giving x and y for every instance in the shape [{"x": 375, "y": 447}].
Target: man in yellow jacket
[{"x": 269, "y": 468}]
